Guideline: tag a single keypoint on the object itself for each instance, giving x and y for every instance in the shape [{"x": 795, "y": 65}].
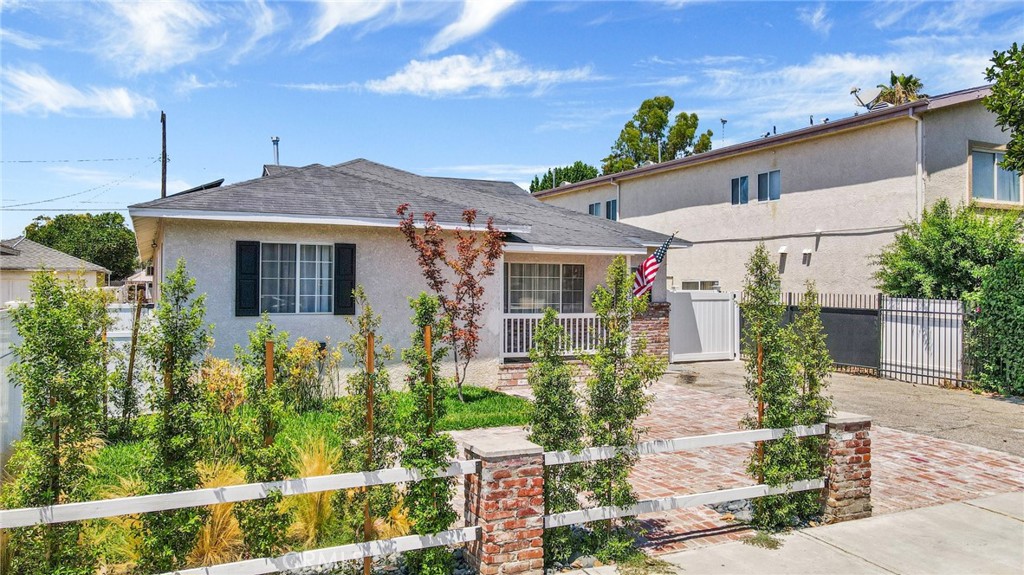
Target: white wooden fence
[
  {"x": 583, "y": 332},
  {"x": 704, "y": 325},
  {"x": 680, "y": 501}
]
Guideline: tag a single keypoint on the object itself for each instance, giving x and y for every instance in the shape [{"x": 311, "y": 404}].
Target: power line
[
  {"x": 66, "y": 210},
  {"x": 93, "y": 189},
  {"x": 79, "y": 160}
]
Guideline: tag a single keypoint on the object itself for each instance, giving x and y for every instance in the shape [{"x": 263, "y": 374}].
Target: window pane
[
  {"x": 762, "y": 187},
  {"x": 533, "y": 287},
  {"x": 277, "y": 278},
  {"x": 735, "y": 191},
  {"x": 572, "y": 288},
  {"x": 1007, "y": 183},
  {"x": 744, "y": 192},
  {"x": 982, "y": 178},
  {"x": 775, "y": 185}
]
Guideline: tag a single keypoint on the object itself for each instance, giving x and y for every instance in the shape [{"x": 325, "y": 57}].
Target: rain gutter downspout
[
  {"x": 618, "y": 198},
  {"x": 918, "y": 199}
]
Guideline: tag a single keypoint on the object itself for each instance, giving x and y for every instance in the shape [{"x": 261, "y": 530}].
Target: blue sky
[{"x": 479, "y": 89}]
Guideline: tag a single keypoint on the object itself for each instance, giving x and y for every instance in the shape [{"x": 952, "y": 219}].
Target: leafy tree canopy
[
  {"x": 577, "y": 172},
  {"x": 649, "y": 132},
  {"x": 102, "y": 239},
  {"x": 1005, "y": 101},
  {"x": 948, "y": 253},
  {"x": 902, "y": 88}
]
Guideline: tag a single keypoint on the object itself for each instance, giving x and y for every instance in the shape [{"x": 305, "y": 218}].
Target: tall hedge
[{"x": 998, "y": 343}]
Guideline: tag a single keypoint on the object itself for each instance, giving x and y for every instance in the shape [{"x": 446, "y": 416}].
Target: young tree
[
  {"x": 1007, "y": 71},
  {"x": 426, "y": 448},
  {"x": 477, "y": 252},
  {"x": 647, "y": 137},
  {"x": 60, "y": 370},
  {"x": 369, "y": 448},
  {"x": 174, "y": 345},
  {"x": 102, "y": 239},
  {"x": 262, "y": 521},
  {"x": 947, "y": 254},
  {"x": 553, "y": 178},
  {"x": 621, "y": 372},
  {"x": 556, "y": 424}
]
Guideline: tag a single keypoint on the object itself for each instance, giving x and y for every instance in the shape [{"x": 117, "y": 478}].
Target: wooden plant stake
[
  {"x": 367, "y": 519},
  {"x": 135, "y": 339},
  {"x": 168, "y": 385},
  {"x": 106, "y": 383},
  {"x": 428, "y": 348}
]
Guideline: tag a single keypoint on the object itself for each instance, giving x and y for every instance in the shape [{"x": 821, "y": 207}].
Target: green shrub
[{"x": 998, "y": 332}]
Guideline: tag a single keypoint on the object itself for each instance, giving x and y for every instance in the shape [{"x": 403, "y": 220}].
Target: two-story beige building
[{"x": 825, "y": 199}]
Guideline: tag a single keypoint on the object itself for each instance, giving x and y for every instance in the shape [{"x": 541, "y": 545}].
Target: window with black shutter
[
  {"x": 247, "y": 278},
  {"x": 344, "y": 279}
]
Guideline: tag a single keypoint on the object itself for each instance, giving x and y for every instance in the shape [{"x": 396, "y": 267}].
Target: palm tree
[{"x": 902, "y": 88}]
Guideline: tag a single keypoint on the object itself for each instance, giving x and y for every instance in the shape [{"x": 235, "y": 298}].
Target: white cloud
[
  {"x": 322, "y": 87},
  {"x": 154, "y": 36},
  {"x": 333, "y": 15},
  {"x": 23, "y": 40},
  {"x": 191, "y": 83},
  {"x": 816, "y": 19},
  {"x": 889, "y": 12},
  {"x": 477, "y": 16},
  {"x": 265, "y": 21},
  {"x": 33, "y": 90},
  {"x": 579, "y": 116},
  {"x": 459, "y": 74}
]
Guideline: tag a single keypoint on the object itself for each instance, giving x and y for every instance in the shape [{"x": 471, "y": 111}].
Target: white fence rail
[
  {"x": 680, "y": 501},
  {"x": 583, "y": 332}
]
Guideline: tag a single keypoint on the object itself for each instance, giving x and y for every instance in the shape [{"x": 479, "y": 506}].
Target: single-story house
[
  {"x": 21, "y": 257},
  {"x": 295, "y": 242}
]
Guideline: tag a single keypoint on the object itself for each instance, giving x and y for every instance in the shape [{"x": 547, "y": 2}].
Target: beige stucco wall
[
  {"x": 947, "y": 134},
  {"x": 14, "y": 284},
  {"x": 844, "y": 196}
]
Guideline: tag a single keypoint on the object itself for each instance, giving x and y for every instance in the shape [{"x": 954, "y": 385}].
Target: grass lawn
[{"x": 482, "y": 408}]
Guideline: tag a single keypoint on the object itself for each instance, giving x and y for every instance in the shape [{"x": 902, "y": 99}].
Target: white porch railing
[{"x": 583, "y": 332}]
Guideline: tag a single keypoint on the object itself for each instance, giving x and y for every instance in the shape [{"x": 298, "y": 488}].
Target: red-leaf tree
[{"x": 459, "y": 288}]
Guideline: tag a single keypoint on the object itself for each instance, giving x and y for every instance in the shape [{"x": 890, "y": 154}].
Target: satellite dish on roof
[{"x": 866, "y": 97}]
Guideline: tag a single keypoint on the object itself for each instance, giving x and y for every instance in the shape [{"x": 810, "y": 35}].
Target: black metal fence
[{"x": 914, "y": 340}]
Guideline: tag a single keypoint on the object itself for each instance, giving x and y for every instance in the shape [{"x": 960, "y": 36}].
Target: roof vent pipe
[{"x": 277, "y": 159}]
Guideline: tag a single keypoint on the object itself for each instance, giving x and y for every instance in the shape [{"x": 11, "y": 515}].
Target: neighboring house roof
[
  {"x": 890, "y": 113},
  {"x": 361, "y": 192},
  {"x": 21, "y": 253}
]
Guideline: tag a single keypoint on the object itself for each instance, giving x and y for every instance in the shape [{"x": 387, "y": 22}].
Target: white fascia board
[
  {"x": 585, "y": 250},
  {"x": 300, "y": 219}
]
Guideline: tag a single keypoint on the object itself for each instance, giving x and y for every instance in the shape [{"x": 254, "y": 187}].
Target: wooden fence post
[
  {"x": 428, "y": 348},
  {"x": 367, "y": 518}
]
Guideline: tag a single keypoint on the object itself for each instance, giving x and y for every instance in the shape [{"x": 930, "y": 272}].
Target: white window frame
[
  {"x": 990, "y": 202},
  {"x": 739, "y": 199},
  {"x": 298, "y": 279},
  {"x": 506, "y": 304},
  {"x": 611, "y": 209},
  {"x": 702, "y": 285},
  {"x": 758, "y": 192},
  {"x": 594, "y": 209}
]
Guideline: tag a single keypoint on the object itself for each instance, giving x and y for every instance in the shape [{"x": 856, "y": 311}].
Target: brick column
[
  {"x": 506, "y": 499},
  {"x": 848, "y": 487},
  {"x": 654, "y": 325}
]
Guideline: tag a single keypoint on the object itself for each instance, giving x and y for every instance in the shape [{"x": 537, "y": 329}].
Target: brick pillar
[
  {"x": 848, "y": 487},
  {"x": 654, "y": 325},
  {"x": 506, "y": 499}
]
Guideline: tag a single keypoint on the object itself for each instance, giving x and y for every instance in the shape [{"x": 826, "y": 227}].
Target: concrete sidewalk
[{"x": 983, "y": 536}]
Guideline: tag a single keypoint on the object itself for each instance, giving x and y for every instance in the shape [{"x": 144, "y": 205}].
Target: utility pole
[{"x": 163, "y": 155}]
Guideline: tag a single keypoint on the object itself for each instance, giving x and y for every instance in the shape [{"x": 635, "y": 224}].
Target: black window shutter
[
  {"x": 344, "y": 279},
  {"x": 247, "y": 278}
]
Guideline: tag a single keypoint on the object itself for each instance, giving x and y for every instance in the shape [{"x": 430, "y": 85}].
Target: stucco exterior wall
[
  {"x": 14, "y": 284},
  {"x": 947, "y": 136},
  {"x": 385, "y": 267}
]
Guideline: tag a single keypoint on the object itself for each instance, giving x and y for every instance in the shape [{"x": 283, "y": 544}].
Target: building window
[
  {"x": 698, "y": 285},
  {"x": 769, "y": 186},
  {"x": 296, "y": 278},
  {"x": 611, "y": 209},
  {"x": 740, "y": 193},
  {"x": 991, "y": 182},
  {"x": 532, "y": 288},
  {"x": 594, "y": 209}
]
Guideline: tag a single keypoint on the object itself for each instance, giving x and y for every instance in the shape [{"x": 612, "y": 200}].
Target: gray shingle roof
[
  {"x": 361, "y": 188},
  {"x": 34, "y": 256}
]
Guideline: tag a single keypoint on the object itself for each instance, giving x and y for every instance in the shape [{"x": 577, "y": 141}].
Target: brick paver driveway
[{"x": 908, "y": 470}]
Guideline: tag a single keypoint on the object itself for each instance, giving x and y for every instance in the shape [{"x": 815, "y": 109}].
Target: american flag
[{"x": 648, "y": 270}]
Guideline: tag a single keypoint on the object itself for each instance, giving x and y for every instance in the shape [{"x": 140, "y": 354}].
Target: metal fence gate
[
  {"x": 923, "y": 341},
  {"x": 703, "y": 325}
]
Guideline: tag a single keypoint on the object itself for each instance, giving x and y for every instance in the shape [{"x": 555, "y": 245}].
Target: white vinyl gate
[{"x": 704, "y": 325}]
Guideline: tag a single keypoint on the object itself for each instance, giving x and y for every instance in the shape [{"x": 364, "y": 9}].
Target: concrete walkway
[{"x": 983, "y": 536}]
